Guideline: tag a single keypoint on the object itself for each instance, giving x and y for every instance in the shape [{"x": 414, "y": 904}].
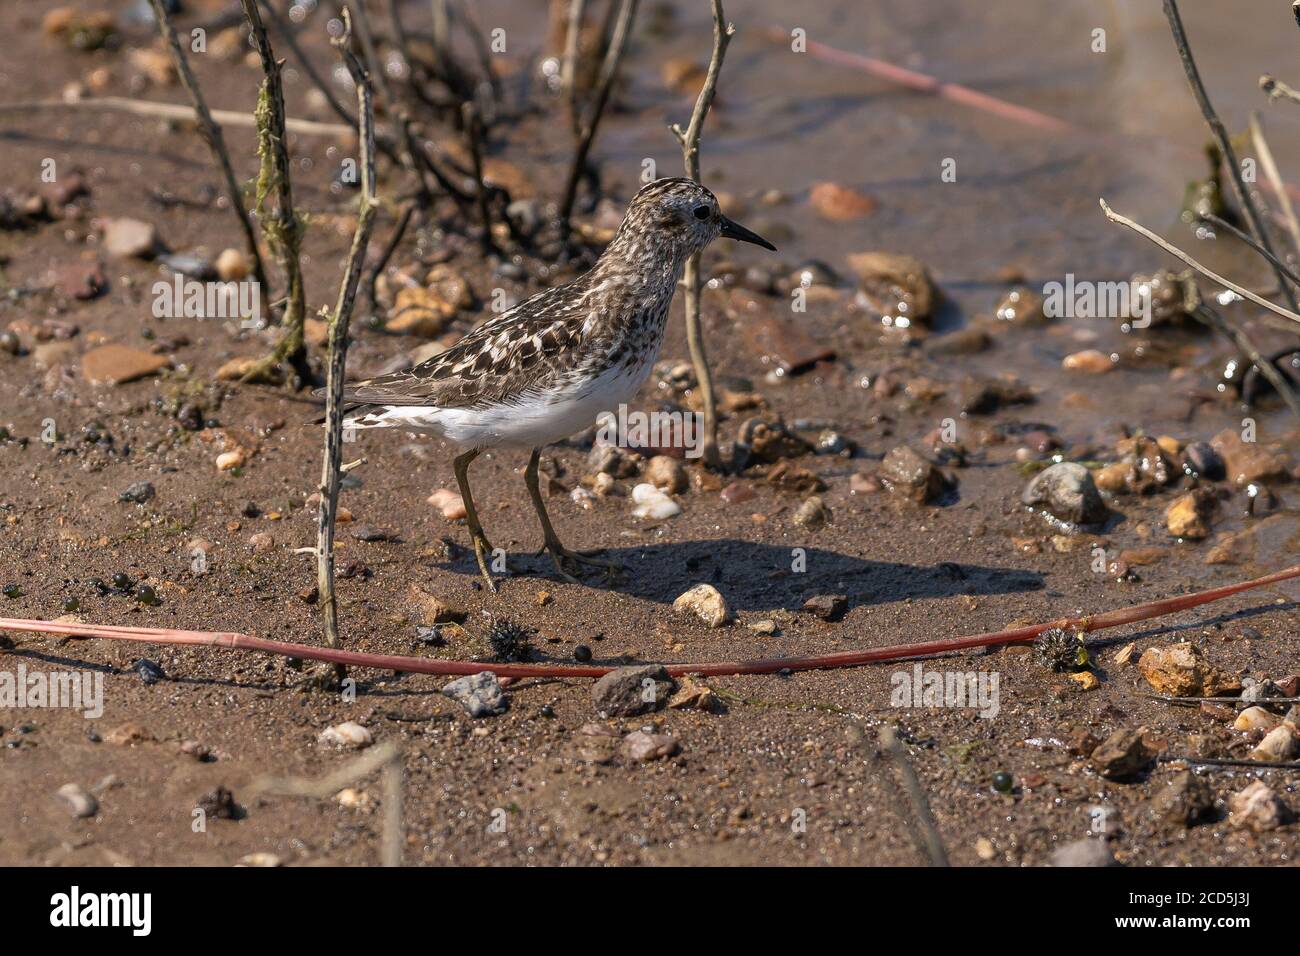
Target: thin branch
[
  {"x": 608, "y": 74},
  {"x": 1177, "y": 253},
  {"x": 569, "y": 68},
  {"x": 920, "y": 822},
  {"x": 474, "y": 136},
  {"x": 172, "y": 111},
  {"x": 212, "y": 135},
  {"x": 286, "y": 33},
  {"x": 690, "y": 143},
  {"x": 283, "y": 229},
  {"x": 1276, "y": 89},
  {"x": 1275, "y": 181},
  {"x": 1243, "y": 342},
  {"x": 376, "y": 270},
  {"x": 424, "y": 665},
  {"x": 338, "y": 343},
  {"x": 1220, "y": 135},
  {"x": 1220, "y": 223}
]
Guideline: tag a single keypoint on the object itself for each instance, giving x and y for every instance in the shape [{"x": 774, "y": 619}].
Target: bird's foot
[
  {"x": 560, "y": 555},
  {"x": 482, "y": 549}
]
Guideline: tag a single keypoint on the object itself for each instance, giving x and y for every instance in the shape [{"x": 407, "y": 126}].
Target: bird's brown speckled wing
[{"x": 534, "y": 345}]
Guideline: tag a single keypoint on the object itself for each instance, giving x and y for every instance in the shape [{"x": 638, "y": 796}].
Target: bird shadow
[{"x": 765, "y": 577}]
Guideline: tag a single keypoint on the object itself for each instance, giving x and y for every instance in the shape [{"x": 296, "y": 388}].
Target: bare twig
[
  {"x": 569, "y": 68},
  {"x": 1230, "y": 762},
  {"x": 286, "y": 33},
  {"x": 920, "y": 821},
  {"x": 608, "y": 74},
  {"x": 1220, "y": 135},
  {"x": 377, "y": 269},
  {"x": 1274, "y": 177},
  {"x": 424, "y": 665},
  {"x": 1276, "y": 89},
  {"x": 1220, "y": 223},
  {"x": 690, "y": 143},
  {"x": 338, "y": 344},
  {"x": 172, "y": 111},
  {"x": 216, "y": 141},
  {"x": 283, "y": 229},
  {"x": 1244, "y": 343},
  {"x": 1177, "y": 253},
  {"x": 474, "y": 136},
  {"x": 394, "y": 831}
]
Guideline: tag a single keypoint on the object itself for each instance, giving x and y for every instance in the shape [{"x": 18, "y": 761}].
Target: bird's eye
[{"x": 701, "y": 213}]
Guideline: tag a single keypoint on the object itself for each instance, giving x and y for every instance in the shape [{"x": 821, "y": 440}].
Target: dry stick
[
  {"x": 569, "y": 68},
  {"x": 421, "y": 665},
  {"x": 608, "y": 73},
  {"x": 1275, "y": 180},
  {"x": 1266, "y": 369},
  {"x": 474, "y": 136},
  {"x": 284, "y": 229},
  {"x": 1276, "y": 89},
  {"x": 1249, "y": 240},
  {"x": 216, "y": 141},
  {"x": 924, "y": 832},
  {"x": 394, "y": 831},
  {"x": 1220, "y": 135},
  {"x": 403, "y": 221},
  {"x": 172, "y": 111},
  {"x": 286, "y": 32},
  {"x": 690, "y": 143},
  {"x": 338, "y": 344},
  {"x": 1244, "y": 343}
]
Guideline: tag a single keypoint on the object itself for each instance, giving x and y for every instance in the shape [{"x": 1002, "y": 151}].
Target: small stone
[
  {"x": 130, "y": 238},
  {"x": 812, "y": 514},
  {"x": 1258, "y": 808},
  {"x": 766, "y": 626},
  {"x": 260, "y": 860},
  {"x": 736, "y": 493},
  {"x": 127, "y": 735},
  {"x": 232, "y": 265},
  {"x": 348, "y": 734},
  {"x": 78, "y": 802},
  {"x": 1185, "y": 801},
  {"x": 613, "y": 461},
  {"x": 705, "y": 602},
  {"x": 984, "y": 849},
  {"x": 628, "y": 691},
  {"x": 828, "y": 607},
  {"x": 119, "y": 364},
  {"x": 640, "y": 746},
  {"x": 693, "y": 695},
  {"x": 1089, "y": 361},
  {"x": 1246, "y": 462},
  {"x": 450, "y": 503},
  {"x": 908, "y": 475},
  {"x": 149, "y": 672},
  {"x": 1068, "y": 491},
  {"x": 229, "y": 460},
  {"x": 1125, "y": 655},
  {"x": 840, "y": 203},
  {"x": 1121, "y": 756},
  {"x": 666, "y": 474},
  {"x": 1020, "y": 305},
  {"x": 220, "y": 804},
  {"x": 1278, "y": 744},
  {"x": 82, "y": 281},
  {"x": 895, "y": 289},
  {"x": 434, "y": 610},
  {"x": 1181, "y": 670},
  {"x": 1255, "y": 718},
  {"x": 261, "y": 543},
  {"x": 351, "y": 798},
  {"x": 1089, "y": 851},
  {"x": 1189, "y": 516},
  {"x": 582, "y": 654},
  {"x": 794, "y": 479},
  {"x": 650, "y": 502},
  {"x": 480, "y": 694},
  {"x": 768, "y": 442},
  {"x": 1200, "y": 460},
  {"x": 1086, "y": 680},
  {"x": 139, "y": 492}
]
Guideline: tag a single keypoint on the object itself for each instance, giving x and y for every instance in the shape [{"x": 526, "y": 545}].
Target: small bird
[{"x": 548, "y": 367}]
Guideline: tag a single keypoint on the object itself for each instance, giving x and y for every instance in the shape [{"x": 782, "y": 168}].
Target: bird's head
[{"x": 680, "y": 216}]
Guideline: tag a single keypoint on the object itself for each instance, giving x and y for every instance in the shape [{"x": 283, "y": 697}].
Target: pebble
[
  {"x": 623, "y": 691},
  {"x": 828, "y": 607},
  {"x": 261, "y": 543},
  {"x": 77, "y": 801},
  {"x": 1184, "y": 801},
  {"x": 1255, "y": 718},
  {"x": 352, "y": 799},
  {"x": 1189, "y": 515},
  {"x": 705, "y": 602},
  {"x": 652, "y": 503},
  {"x": 118, "y": 364},
  {"x": 1089, "y": 851},
  {"x": 1246, "y": 462},
  {"x": 737, "y": 493},
  {"x": 692, "y": 695},
  {"x": 840, "y": 203},
  {"x": 1089, "y": 361},
  {"x": 139, "y": 492},
  {"x": 768, "y": 442},
  {"x": 1068, "y": 491},
  {"x": 126, "y": 238},
  {"x": 220, "y": 804},
  {"x": 260, "y": 860},
  {"x": 450, "y": 503},
  {"x": 1258, "y": 808},
  {"x": 1121, "y": 756},
  {"x": 812, "y": 514},
  {"x": 347, "y": 734},
  {"x": 907, "y": 474},
  {"x": 641, "y": 746},
  {"x": 666, "y": 474},
  {"x": 229, "y": 460},
  {"x": 1200, "y": 460},
  {"x": 612, "y": 460},
  {"x": 1278, "y": 744},
  {"x": 150, "y": 672},
  {"x": 231, "y": 265},
  {"x": 1182, "y": 670},
  {"x": 480, "y": 694}
]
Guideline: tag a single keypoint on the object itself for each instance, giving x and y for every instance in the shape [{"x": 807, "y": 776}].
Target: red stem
[{"x": 768, "y": 665}]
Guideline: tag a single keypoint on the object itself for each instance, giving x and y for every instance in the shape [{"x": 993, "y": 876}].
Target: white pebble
[
  {"x": 653, "y": 503},
  {"x": 347, "y": 734}
]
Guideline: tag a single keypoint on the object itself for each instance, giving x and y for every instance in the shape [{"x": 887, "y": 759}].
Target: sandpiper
[{"x": 548, "y": 367}]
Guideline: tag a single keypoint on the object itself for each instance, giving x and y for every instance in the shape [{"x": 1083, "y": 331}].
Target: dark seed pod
[
  {"x": 1059, "y": 650},
  {"x": 508, "y": 639}
]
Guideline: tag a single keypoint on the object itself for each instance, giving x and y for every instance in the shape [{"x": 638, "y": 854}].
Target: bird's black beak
[{"x": 734, "y": 230}]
